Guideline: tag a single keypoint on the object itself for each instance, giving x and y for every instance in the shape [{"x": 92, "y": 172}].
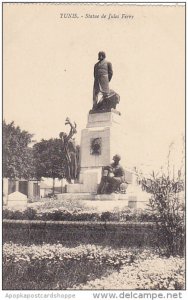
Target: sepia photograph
[{"x": 93, "y": 148}]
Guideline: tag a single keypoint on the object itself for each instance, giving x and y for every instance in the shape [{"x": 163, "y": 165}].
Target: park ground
[{"x": 60, "y": 265}]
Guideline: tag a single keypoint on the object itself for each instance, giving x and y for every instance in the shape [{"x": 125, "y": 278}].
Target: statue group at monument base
[
  {"x": 100, "y": 141},
  {"x": 102, "y": 138}
]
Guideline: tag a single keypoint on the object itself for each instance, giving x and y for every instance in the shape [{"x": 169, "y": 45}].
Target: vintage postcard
[{"x": 93, "y": 150}]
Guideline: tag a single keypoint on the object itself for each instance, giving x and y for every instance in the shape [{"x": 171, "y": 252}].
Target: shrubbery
[
  {"x": 58, "y": 214},
  {"x": 168, "y": 208}
]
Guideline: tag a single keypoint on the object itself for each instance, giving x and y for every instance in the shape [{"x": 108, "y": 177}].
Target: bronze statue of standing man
[{"x": 102, "y": 76}]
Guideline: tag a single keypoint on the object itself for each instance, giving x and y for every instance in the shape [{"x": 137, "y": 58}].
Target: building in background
[
  {"x": 45, "y": 190},
  {"x": 30, "y": 188}
]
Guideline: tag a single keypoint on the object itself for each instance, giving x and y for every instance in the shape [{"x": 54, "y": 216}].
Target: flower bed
[
  {"x": 153, "y": 273},
  {"x": 88, "y": 267},
  {"x": 58, "y": 267}
]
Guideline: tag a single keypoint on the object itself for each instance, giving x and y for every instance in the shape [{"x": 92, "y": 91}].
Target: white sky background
[{"x": 48, "y": 73}]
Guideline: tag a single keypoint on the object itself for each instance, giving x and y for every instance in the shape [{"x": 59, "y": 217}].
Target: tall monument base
[
  {"x": 102, "y": 138},
  {"x": 100, "y": 141}
]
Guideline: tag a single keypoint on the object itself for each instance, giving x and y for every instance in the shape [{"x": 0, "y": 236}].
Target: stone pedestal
[
  {"x": 17, "y": 199},
  {"x": 105, "y": 129},
  {"x": 100, "y": 141},
  {"x": 134, "y": 198}
]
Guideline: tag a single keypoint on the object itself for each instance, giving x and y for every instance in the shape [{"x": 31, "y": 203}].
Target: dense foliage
[
  {"x": 49, "y": 159},
  {"x": 18, "y": 160},
  {"x": 45, "y": 159},
  {"x": 65, "y": 214}
]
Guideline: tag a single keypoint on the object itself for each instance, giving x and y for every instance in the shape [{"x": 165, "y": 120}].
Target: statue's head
[
  {"x": 116, "y": 158},
  {"x": 101, "y": 55}
]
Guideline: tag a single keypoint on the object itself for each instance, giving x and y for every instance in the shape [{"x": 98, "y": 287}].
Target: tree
[
  {"x": 49, "y": 159},
  {"x": 17, "y": 156}
]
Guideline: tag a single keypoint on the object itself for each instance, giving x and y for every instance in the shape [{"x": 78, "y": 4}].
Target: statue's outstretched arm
[{"x": 73, "y": 128}]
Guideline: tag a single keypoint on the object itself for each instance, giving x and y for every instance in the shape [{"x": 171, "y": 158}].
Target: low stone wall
[{"x": 104, "y": 233}]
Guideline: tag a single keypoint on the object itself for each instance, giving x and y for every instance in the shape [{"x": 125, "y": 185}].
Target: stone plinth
[
  {"x": 93, "y": 197},
  {"x": 103, "y": 119},
  {"x": 134, "y": 198},
  {"x": 107, "y": 130},
  {"x": 103, "y": 131},
  {"x": 17, "y": 199},
  {"x": 90, "y": 178},
  {"x": 106, "y": 127}
]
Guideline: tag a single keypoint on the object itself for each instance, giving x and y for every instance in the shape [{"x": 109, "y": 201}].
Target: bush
[
  {"x": 168, "y": 209},
  {"x": 27, "y": 214},
  {"x": 12, "y": 214},
  {"x": 58, "y": 214},
  {"x": 30, "y": 213}
]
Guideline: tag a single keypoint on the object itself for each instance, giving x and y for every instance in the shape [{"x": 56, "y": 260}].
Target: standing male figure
[{"x": 102, "y": 75}]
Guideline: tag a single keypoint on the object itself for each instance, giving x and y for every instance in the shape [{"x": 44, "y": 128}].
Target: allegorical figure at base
[
  {"x": 70, "y": 151},
  {"x": 112, "y": 178}
]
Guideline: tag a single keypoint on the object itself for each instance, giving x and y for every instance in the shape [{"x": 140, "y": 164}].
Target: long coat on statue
[{"x": 102, "y": 74}]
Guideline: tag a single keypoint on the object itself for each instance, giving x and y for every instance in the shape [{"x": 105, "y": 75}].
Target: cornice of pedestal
[{"x": 103, "y": 119}]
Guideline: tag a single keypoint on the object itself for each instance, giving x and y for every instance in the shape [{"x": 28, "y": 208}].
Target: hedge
[{"x": 106, "y": 233}]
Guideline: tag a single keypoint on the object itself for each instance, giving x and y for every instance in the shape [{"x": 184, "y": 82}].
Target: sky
[{"x": 48, "y": 73}]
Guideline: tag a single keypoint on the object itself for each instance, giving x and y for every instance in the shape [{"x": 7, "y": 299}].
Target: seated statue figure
[{"x": 112, "y": 178}]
